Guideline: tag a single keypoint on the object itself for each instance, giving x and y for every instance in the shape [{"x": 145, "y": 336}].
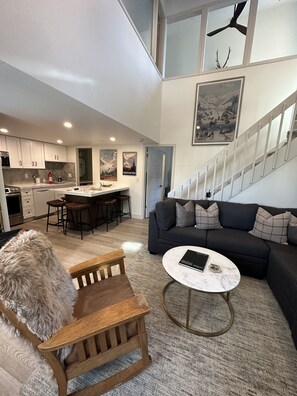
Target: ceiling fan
[{"x": 233, "y": 23}]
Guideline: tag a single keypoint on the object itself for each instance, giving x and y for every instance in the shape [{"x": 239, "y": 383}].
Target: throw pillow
[
  {"x": 292, "y": 230},
  {"x": 207, "y": 219},
  {"x": 185, "y": 215},
  {"x": 35, "y": 285},
  {"x": 271, "y": 228}
]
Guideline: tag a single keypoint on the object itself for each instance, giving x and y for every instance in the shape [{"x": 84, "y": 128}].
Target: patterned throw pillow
[
  {"x": 185, "y": 215},
  {"x": 271, "y": 228},
  {"x": 207, "y": 219},
  {"x": 292, "y": 230}
]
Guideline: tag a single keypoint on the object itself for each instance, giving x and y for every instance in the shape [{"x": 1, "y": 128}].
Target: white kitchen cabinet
[
  {"x": 15, "y": 153},
  {"x": 3, "y": 146},
  {"x": 55, "y": 152},
  {"x": 32, "y": 154},
  {"x": 27, "y": 203}
]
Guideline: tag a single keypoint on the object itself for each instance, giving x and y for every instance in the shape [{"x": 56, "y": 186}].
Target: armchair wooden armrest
[
  {"x": 115, "y": 315},
  {"x": 100, "y": 265}
]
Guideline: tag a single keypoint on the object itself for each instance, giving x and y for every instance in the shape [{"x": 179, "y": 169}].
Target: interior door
[{"x": 154, "y": 178}]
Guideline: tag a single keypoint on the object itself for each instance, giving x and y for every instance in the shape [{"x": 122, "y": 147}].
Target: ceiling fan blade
[
  {"x": 241, "y": 29},
  {"x": 217, "y": 31},
  {"x": 238, "y": 10}
]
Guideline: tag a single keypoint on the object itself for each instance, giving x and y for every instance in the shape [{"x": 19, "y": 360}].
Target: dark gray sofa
[{"x": 253, "y": 256}]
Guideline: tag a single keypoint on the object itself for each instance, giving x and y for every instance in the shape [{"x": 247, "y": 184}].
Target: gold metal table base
[{"x": 226, "y": 297}]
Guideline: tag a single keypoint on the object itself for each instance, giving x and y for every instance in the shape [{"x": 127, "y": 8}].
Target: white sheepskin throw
[{"x": 35, "y": 285}]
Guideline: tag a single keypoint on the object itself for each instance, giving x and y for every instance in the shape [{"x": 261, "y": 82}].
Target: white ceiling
[{"x": 32, "y": 109}]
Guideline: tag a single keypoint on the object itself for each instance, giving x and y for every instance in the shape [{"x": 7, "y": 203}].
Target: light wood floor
[{"x": 130, "y": 234}]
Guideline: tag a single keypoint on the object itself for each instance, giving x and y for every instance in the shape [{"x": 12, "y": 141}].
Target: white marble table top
[{"x": 206, "y": 281}]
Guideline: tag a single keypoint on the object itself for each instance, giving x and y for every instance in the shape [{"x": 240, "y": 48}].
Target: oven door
[{"x": 14, "y": 207}]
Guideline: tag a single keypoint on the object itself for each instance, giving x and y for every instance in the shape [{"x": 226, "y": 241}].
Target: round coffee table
[{"x": 207, "y": 281}]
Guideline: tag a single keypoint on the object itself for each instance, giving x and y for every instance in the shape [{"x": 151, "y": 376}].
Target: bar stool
[
  {"x": 121, "y": 199},
  {"x": 59, "y": 205},
  {"x": 108, "y": 207},
  {"x": 74, "y": 217}
]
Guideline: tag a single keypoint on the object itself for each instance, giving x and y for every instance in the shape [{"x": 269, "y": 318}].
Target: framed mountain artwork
[{"x": 217, "y": 109}]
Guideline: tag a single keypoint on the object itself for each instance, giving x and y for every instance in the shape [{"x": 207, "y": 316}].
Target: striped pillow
[
  {"x": 271, "y": 228},
  {"x": 207, "y": 219}
]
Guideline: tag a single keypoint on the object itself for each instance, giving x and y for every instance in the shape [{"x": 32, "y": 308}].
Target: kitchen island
[{"x": 90, "y": 195}]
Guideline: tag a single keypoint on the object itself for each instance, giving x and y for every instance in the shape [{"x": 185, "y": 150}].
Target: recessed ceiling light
[
  {"x": 59, "y": 141},
  {"x": 112, "y": 139},
  {"x": 67, "y": 124},
  {"x": 3, "y": 130}
]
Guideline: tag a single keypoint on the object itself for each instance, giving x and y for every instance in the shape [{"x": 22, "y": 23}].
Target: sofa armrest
[{"x": 153, "y": 233}]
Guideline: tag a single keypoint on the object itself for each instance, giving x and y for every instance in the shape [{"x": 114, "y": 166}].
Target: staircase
[{"x": 257, "y": 152}]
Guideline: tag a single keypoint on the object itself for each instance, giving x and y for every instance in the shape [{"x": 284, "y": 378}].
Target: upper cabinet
[
  {"x": 15, "y": 152},
  {"x": 3, "y": 146},
  {"x": 55, "y": 152},
  {"x": 32, "y": 154},
  {"x": 24, "y": 153}
]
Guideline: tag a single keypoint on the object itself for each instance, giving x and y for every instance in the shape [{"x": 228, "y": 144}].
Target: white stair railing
[{"x": 261, "y": 149}]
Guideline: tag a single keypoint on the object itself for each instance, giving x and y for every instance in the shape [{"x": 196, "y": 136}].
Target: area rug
[{"x": 255, "y": 357}]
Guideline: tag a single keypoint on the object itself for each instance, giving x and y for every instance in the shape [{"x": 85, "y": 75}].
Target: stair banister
[{"x": 266, "y": 144}]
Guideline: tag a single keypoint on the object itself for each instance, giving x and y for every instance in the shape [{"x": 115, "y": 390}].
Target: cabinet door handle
[
  {"x": 20, "y": 162},
  {"x": 32, "y": 163},
  {"x": 35, "y": 163}
]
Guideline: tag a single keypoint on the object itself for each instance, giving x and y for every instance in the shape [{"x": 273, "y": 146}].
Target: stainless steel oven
[{"x": 14, "y": 205}]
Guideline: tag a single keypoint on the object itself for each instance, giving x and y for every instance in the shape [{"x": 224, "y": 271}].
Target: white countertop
[
  {"x": 91, "y": 191},
  {"x": 43, "y": 185}
]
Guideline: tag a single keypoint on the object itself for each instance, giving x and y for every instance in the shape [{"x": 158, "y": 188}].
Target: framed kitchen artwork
[
  {"x": 217, "y": 109},
  {"x": 129, "y": 163},
  {"x": 108, "y": 165}
]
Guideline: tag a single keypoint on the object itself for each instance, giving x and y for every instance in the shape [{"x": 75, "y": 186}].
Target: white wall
[
  {"x": 265, "y": 86},
  {"x": 89, "y": 51},
  {"x": 135, "y": 183}
]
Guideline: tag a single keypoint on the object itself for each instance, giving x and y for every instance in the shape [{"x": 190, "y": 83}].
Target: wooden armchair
[{"x": 109, "y": 324}]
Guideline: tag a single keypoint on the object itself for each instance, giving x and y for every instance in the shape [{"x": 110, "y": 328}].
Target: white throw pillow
[
  {"x": 271, "y": 228},
  {"x": 207, "y": 219}
]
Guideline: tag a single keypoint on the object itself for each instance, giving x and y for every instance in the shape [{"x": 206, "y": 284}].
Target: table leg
[{"x": 188, "y": 307}]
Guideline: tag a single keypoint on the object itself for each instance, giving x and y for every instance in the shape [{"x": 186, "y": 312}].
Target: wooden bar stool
[
  {"x": 121, "y": 199},
  {"x": 108, "y": 207},
  {"x": 74, "y": 217},
  {"x": 59, "y": 205}
]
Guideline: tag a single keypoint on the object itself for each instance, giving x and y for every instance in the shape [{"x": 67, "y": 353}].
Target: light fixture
[
  {"x": 112, "y": 139},
  {"x": 4, "y": 130},
  {"x": 59, "y": 141},
  {"x": 67, "y": 124}
]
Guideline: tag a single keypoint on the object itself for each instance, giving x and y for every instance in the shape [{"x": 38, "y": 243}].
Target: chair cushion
[
  {"x": 271, "y": 228},
  {"x": 102, "y": 294},
  {"x": 207, "y": 219},
  {"x": 185, "y": 215}
]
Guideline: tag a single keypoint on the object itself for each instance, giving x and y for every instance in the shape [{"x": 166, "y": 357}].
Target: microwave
[{"x": 4, "y": 156}]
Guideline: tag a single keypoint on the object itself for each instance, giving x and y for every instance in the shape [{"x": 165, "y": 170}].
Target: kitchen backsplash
[{"x": 63, "y": 170}]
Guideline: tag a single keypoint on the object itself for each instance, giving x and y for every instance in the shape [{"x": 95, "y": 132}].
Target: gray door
[{"x": 157, "y": 160}]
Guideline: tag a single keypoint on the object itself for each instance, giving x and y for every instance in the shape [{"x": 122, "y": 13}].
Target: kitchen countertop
[
  {"x": 91, "y": 191},
  {"x": 42, "y": 185}
]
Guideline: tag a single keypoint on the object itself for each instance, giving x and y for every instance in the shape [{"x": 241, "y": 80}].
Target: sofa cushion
[
  {"x": 237, "y": 215},
  {"x": 271, "y": 228},
  {"x": 292, "y": 230},
  {"x": 207, "y": 219},
  {"x": 184, "y": 236},
  {"x": 282, "y": 279},
  {"x": 237, "y": 241},
  {"x": 166, "y": 214},
  {"x": 185, "y": 215}
]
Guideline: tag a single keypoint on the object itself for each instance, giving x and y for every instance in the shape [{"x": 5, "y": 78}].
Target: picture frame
[
  {"x": 108, "y": 164},
  {"x": 129, "y": 163},
  {"x": 217, "y": 109}
]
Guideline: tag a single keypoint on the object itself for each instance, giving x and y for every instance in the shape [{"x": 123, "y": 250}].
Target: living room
[{"x": 134, "y": 96}]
